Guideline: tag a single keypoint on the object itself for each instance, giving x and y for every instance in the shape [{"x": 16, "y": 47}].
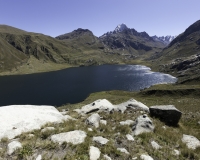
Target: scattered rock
[
  {"x": 166, "y": 113},
  {"x": 93, "y": 120},
  {"x": 155, "y": 145},
  {"x": 100, "y": 140},
  {"x": 127, "y": 122},
  {"x": 191, "y": 141},
  {"x": 64, "y": 112},
  {"x": 146, "y": 157},
  {"x": 142, "y": 124},
  {"x": 74, "y": 137},
  {"x": 123, "y": 150},
  {"x": 25, "y": 118},
  {"x": 134, "y": 158},
  {"x": 176, "y": 152},
  {"x": 106, "y": 157},
  {"x": 31, "y": 135},
  {"x": 94, "y": 153},
  {"x": 103, "y": 122},
  {"x": 47, "y": 129},
  {"x": 90, "y": 129},
  {"x": 39, "y": 157},
  {"x": 12, "y": 146},
  {"x": 67, "y": 117},
  {"x": 129, "y": 137}
]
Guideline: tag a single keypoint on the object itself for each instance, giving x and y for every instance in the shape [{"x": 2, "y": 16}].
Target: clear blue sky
[{"x": 55, "y": 17}]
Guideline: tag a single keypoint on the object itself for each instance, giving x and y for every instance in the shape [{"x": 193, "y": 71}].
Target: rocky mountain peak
[
  {"x": 120, "y": 27},
  {"x": 164, "y": 39}
]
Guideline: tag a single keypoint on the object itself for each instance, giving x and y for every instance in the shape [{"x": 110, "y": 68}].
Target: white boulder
[
  {"x": 16, "y": 119},
  {"x": 129, "y": 137},
  {"x": 127, "y": 122},
  {"x": 123, "y": 150},
  {"x": 93, "y": 120},
  {"x": 94, "y": 153},
  {"x": 12, "y": 146},
  {"x": 191, "y": 141},
  {"x": 74, "y": 137},
  {"x": 142, "y": 124},
  {"x": 146, "y": 157},
  {"x": 100, "y": 140},
  {"x": 176, "y": 152}
]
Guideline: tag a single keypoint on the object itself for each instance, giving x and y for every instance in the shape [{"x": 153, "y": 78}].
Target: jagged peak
[{"x": 121, "y": 27}]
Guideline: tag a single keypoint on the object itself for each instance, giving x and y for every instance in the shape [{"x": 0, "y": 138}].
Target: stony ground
[{"x": 113, "y": 137}]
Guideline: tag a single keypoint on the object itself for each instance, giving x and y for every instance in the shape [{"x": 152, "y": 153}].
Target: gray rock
[
  {"x": 166, "y": 113},
  {"x": 12, "y": 146},
  {"x": 129, "y": 137},
  {"x": 90, "y": 129},
  {"x": 146, "y": 157},
  {"x": 100, "y": 140},
  {"x": 74, "y": 137},
  {"x": 127, "y": 122},
  {"x": 142, "y": 124},
  {"x": 155, "y": 145},
  {"x": 47, "y": 129},
  {"x": 93, "y": 120},
  {"x": 123, "y": 150},
  {"x": 94, "y": 153},
  {"x": 191, "y": 141},
  {"x": 67, "y": 117},
  {"x": 106, "y": 157}
]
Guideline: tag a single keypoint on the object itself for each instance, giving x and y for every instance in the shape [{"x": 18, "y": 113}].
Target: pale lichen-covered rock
[
  {"x": 129, "y": 137},
  {"x": 191, "y": 141},
  {"x": 93, "y": 120},
  {"x": 47, "y": 129},
  {"x": 123, "y": 150},
  {"x": 166, "y": 113},
  {"x": 100, "y": 140},
  {"x": 105, "y": 105},
  {"x": 146, "y": 157},
  {"x": 127, "y": 122},
  {"x": 67, "y": 117},
  {"x": 176, "y": 152},
  {"x": 142, "y": 124},
  {"x": 16, "y": 119},
  {"x": 155, "y": 145},
  {"x": 74, "y": 137},
  {"x": 12, "y": 146},
  {"x": 94, "y": 153}
]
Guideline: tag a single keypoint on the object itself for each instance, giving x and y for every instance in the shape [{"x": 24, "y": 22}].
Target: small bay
[{"x": 73, "y": 85}]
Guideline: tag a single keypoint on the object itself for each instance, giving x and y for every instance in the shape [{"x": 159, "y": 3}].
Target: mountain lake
[{"x": 73, "y": 85}]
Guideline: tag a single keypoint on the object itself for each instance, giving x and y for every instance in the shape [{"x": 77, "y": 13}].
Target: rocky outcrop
[
  {"x": 12, "y": 146},
  {"x": 142, "y": 124},
  {"x": 93, "y": 120},
  {"x": 191, "y": 141},
  {"x": 94, "y": 153},
  {"x": 166, "y": 113},
  {"x": 74, "y": 137},
  {"x": 104, "y": 105},
  {"x": 24, "y": 118}
]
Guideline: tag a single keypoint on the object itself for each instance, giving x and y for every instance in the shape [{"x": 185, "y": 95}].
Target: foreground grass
[{"x": 185, "y": 98}]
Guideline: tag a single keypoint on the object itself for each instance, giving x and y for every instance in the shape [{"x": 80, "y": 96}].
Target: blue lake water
[{"x": 75, "y": 84}]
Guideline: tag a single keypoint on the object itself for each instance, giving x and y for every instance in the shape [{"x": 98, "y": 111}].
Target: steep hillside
[{"x": 182, "y": 56}]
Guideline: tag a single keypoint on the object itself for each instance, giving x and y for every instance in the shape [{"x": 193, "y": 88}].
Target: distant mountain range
[{"x": 177, "y": 55}]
